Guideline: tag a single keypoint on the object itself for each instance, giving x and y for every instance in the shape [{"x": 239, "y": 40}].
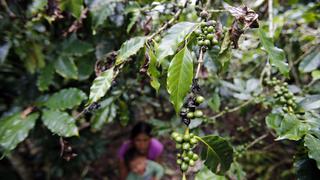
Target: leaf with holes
[
  {"x": 129, "y": 48},
  {"x": 66, "y": 99},
  {"x": 172, "y": 39},
  {"x": 217, "y": 154},
  {"x": 15, "y": 128},
  {"x": 100, "y": 86},
  {"x": 313, "y": 144},
  {"x": 277, "y": 56},
  {"x": 180, "y": 74},
  {"x": 60, "y": 123}
]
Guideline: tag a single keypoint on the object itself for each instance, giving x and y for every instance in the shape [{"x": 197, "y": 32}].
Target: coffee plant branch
[
  {"x": 232, "y": 110},
  {"x": 170, "y": 22}
]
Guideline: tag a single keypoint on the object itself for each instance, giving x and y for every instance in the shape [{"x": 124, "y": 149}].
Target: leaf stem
[{"x": 200, "y": 62}]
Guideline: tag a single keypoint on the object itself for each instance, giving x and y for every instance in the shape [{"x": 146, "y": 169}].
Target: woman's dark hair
[{"x": 141, "y": 128}]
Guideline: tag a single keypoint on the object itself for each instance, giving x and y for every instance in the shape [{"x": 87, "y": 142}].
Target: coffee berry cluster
[
  {"x": 189, "y": 111},
  {"x": 185, "y": 143},
  {"x": 205, "y": 34},
  {"x": 282, "y": 95}
]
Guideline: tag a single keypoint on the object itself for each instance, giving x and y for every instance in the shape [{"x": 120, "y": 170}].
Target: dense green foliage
[{"x": 73, "y": 72}]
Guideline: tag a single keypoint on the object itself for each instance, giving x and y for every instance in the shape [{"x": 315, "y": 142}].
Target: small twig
[
  {"x": 232, "y": 110},
  {"x": 216, "y": 10},
  {"x": 257, "y": 140},
  {"x": 200, "y": 62},
  {"x": 169, "y": 23},
  {"x": 7, "y": 9},
  {"x": 270, "y": 13}
]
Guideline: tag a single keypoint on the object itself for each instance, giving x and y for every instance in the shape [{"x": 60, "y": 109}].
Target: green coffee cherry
[
  {"x": 215, "y": 41},
  {"x": 198, "y": 113},
  {"x": 179, "y": 161},
  {"x": 198, "y": 32},
  {"x": 186, "y": 137},
  {"x": 184, "y": 167},
  {"x": 185, "y": 146},
  {"x": 203, "y": 24},
  {"x": 201, "y": 43},
  {"x": 195, "y": 157},
  {"x": 200, "y": 99},
  {"x": 210, "y": 36},
  {"x": 193, "y": 141},
  {"x": 178, "y": 146},
  {"x": 207, "y": 42},
  {"x": 190, "y": 154},
  {"x": 190, "y": 115},
  {"x": 178, "y": 139},
  {"x": 192, "y": 162},
  {"x": 174, "y": 135},
  {"x": 210, "y": 29},
  {"x": 186, "y": 159}
]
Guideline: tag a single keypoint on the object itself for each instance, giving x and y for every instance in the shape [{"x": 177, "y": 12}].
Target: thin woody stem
[
  {"x": 200, "y": 62},
  {"x": 170, "y": 22}
]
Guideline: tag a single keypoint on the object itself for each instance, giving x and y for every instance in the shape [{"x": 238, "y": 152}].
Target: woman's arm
[{"x": 123, "y": 170}]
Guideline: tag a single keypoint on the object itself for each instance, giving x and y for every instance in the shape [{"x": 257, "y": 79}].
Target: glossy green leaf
[
  {"x": 73, "y": 6},
  {"x": 287, "y": 126},
  {"x": 313, "y": 144},
  {"x": 205, "y": 173},
  {"x": 4, "y": 49},
  {"x": 311, "y": 102},
  {"x": 100, "y": 86},
  {"x": 66, "y": 99},
  {"x": 153, "y": 72},
  {"x": 225, "y": 53},
  {"x": 310, "y": 62},
  {"x": 172, "y": 39},
  {"x": 123, "y": 113},
  {"x": 217, "y": 154},
  {"x": 215, "y": 102},
  {"x": 134, "y": 18},
  {"x": 315, "y": 74},
  {"x": 45, "y": 77},
  {"x": 101, "y": 10},
  {"x": 35, "y": 57},
  {"x": 277, "y": 56},
  {"x": 15, "y": 128},
  {"x": 60, "y": 123},
  {"x": 130, "y": 48},
  {"x": 180, "y": 75},
  {"x": 74, "y": 46},
  {"x": 66, "y": 67},
  {"x": 105, "y": 114}
]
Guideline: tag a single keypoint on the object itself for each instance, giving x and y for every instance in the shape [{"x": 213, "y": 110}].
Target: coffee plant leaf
[
  {"x": 172, "y": 39},
  {"x": 66, "y": 99},
  {"x": 129, "y": 48},
  {"x": 180, "y": 75},
  {"x": 313, "y": 144},
  {"x": 217, "y": 154},
  {"x": 100, "y": 85},
  {"x": 60, "y": 123},
  {"x": 15, "y": 128}
]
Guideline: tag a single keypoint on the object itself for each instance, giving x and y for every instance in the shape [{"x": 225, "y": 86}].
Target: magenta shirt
[{"x": 155, "y": 149}]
